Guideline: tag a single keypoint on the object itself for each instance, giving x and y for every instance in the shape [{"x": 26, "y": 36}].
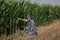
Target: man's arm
[{"x": 22, "y": 19}]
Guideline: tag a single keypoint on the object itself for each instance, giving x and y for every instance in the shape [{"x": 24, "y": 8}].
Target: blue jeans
[{"x": 30, "y": 33}]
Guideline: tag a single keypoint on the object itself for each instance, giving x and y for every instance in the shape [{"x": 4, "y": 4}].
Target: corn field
[{"x": 12, "y": 10}]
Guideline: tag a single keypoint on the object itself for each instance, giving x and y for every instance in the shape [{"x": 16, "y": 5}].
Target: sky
[{"x": 47, "y": 1}]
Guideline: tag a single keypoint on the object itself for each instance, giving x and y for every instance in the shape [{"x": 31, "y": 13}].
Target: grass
[
  {"x": 10, "y": 12},
  {"x": 50, "y": 32}
]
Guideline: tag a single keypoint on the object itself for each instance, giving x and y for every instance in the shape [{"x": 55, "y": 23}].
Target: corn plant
[{"x": 12, "y": 10}]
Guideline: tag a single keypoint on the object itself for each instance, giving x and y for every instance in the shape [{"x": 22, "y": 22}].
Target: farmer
[{"x": 31, "y": 28}]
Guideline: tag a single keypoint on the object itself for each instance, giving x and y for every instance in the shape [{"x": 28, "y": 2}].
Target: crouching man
[{"x": 31, "y": 28}]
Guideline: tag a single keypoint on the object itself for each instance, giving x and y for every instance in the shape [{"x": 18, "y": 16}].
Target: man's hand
[
  {"x": 31, "y": 29},
  {"x": 19, "y": 19}
]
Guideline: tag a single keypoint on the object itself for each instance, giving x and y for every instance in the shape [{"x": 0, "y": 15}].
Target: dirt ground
[{"x": 49, "y": 32}]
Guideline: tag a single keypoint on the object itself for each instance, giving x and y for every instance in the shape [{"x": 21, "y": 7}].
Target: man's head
[{"x": 29, "y": 17}]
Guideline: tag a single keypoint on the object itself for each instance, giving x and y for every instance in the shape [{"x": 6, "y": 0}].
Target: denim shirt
[{"x": 31, "y": 24}]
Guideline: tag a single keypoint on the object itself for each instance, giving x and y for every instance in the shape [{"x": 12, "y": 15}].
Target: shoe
[{"x": 36, "y": 33}]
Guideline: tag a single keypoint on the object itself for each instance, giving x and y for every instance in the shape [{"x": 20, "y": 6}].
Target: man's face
[{"x": 29, "y": 17}]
